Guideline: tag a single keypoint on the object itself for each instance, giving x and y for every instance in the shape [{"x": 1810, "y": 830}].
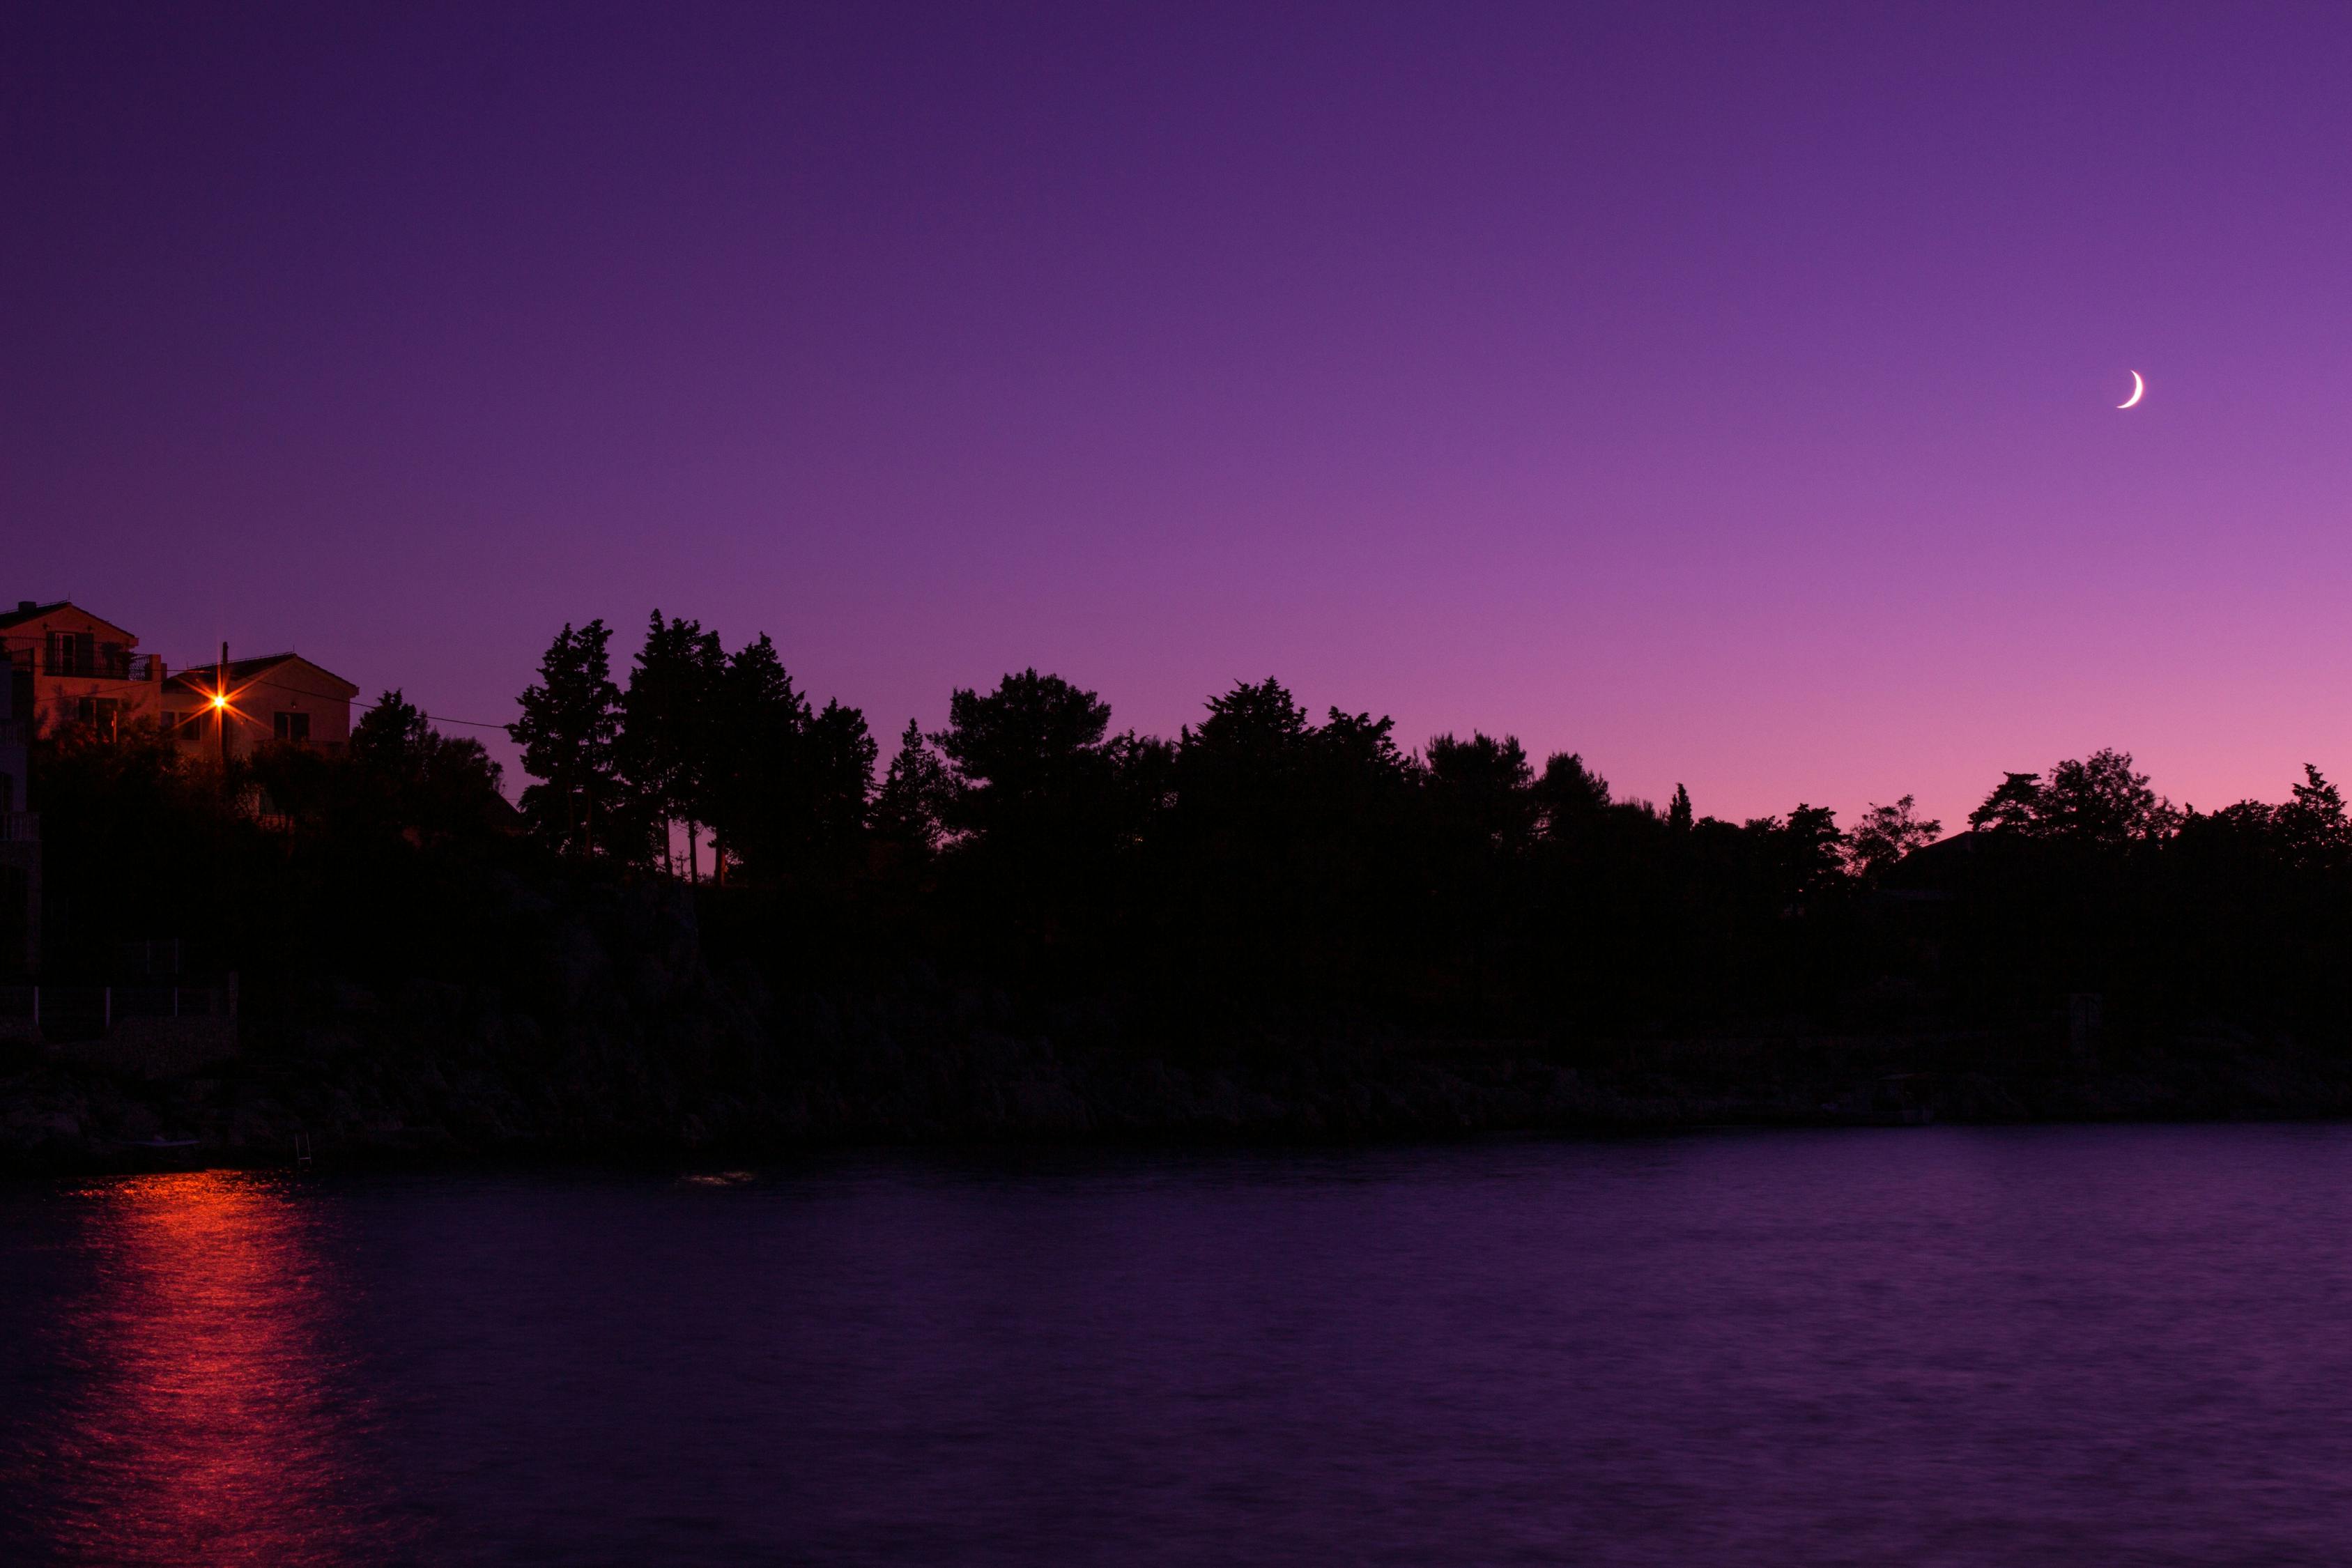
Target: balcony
[
  {"x": 87, "y": 663},
  {"x": 82, "y": 658},
  {"x": 99, "y": 664},
  {"x": 20, "y": 827}
]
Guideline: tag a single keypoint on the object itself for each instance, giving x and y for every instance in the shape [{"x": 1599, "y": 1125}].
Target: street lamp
[{"x": 220, "y": 709}]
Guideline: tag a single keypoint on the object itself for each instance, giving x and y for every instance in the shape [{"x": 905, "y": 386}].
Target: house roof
[
  {"x": 27, "y": 610},
  {"x": 199, "y": 679}
]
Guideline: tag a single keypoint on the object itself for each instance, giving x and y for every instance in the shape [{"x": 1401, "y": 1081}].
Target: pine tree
[
  {"x": 1814, "y": 849},
  {"x": 1571, "y": 794},
  {"x": 909, "y": 808},
  {"x": 839, "y": 760},
  {"x": 756, "y": 794},
  {"x": 418, "y": 779},
  {"x": 1025, "y": 755},
  {"x": 1483, "y": 787},
  {"x": 569, "y": 733},
  {"x": 389, "y": 739},
  {"x": 2311, "y": 826},
  {"x": 671, "y": 727}
]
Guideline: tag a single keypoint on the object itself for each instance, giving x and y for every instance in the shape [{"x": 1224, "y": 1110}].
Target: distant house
[
  {"x": 62, "y": 667},
  {"x": 66, "y": 667},
  {"x": 283, "y": 697}
]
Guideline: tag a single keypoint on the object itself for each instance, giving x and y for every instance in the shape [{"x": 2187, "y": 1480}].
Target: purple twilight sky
[{"x": 1725, "y": 392}]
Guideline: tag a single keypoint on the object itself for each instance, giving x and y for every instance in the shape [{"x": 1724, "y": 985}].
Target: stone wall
[{"x": 154, "y": 1048}]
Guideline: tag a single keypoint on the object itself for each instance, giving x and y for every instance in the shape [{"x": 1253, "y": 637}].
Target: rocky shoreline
[
  {"x": 439, "y": 1074},
  {"x": 613, "y": 1031}
]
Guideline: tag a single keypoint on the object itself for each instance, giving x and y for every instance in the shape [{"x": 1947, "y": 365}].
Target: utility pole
[{"x": 220, "y": 707}]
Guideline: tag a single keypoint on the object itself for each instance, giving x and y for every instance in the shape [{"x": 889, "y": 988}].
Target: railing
[
  {"x": 20, "y": 827},
  {"x": 170, "y": 1002},
  {"x": 76, "y": 659},
  {"x": 90, "y": 664},
  {"x": 91, "y": 1012},
  {"x": 149, "y": 957}
]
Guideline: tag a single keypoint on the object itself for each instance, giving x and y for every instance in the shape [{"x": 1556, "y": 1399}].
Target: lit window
[{"x": 102, "y": 714}]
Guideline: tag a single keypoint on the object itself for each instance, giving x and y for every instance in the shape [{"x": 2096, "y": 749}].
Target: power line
[
  {"x": 281, "y": 686},
  {"x": 192, "y": 666}
]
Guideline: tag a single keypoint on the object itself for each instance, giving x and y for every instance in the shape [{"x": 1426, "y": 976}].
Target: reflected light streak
[{"x": 213, "y": 1425}]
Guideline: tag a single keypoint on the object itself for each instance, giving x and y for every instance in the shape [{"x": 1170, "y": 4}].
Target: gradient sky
[{"x": 1724, "y": 392}]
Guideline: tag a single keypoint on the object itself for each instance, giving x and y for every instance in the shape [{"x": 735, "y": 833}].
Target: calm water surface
[{"x": 2110, "y": 1346}]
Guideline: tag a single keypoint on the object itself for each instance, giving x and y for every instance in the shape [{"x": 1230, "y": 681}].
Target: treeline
[
  {"x": 1263, "y": 870},
  {"x": 723, "y": 912},
  {"x": 1265, "y": 866},
  {"x": 700, "y": 740}
]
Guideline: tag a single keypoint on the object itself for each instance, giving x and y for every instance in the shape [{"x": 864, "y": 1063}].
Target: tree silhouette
[
  {"x": 1357, "y": 762},
  {"x": 1811, "y": 851},
  {"x": 1022, "y": 755},
  {"x": 417, "y": 778},
  {"x": 671, "y": 727},
  {"x": 1262, "y": 727},
  {"x": 1885, "y": 834},
  {"x": 390, "y": 738},
  {"x": 1484, "y": 787},
  {"x": 570, "y": 732},
  {"x": 760, "y": 799},
  {"x": 840, "y": 756},
  {"x": 1265, "y": 871},
  {"x": 2310, "y": 826},
  {"x": 1244, "y": 775},
  {"x": 909, "y": 809},
  {"x": 2100, "y": 800},
  {"x": 1052, "y": 815},
  {"x": 1571, "y": 794},
  {"x": 2013, "y": 806},
  {"x": 789, "y": 786}
]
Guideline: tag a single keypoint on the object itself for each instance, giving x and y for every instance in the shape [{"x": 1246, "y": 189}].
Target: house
[
  {"x": 20, "y": 846},
  {"x": 62, "y": 667},
  {"x": 68, "y": 666},
  {"x": 283, "y": 697}
]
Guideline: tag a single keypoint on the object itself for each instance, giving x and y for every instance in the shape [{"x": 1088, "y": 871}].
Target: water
[{"x": 2112, "y": 1346}]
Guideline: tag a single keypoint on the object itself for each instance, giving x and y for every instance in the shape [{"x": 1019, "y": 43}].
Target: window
[
  {"x": 81, "y": 654},
  {"x": 294, "y": 727},
  {"x": 104, "y": 714}
]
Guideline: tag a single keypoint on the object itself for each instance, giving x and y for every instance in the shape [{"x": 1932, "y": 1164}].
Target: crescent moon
[{"x": 2139, "y": 388}]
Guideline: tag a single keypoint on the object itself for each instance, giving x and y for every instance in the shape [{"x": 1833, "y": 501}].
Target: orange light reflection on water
[{"x": 212, "y": 1422}]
